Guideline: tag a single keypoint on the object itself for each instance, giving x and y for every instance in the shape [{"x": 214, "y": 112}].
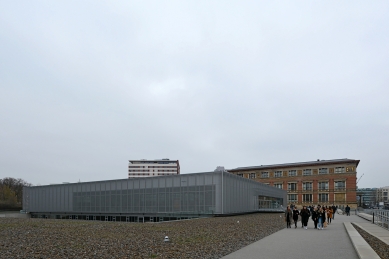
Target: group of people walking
[{"x": 321, "y": 216}]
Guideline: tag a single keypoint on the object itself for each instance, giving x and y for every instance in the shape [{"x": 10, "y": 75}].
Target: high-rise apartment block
[{"x": 157, "y": 167}]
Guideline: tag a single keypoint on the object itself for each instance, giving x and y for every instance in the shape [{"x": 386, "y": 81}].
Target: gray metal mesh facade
[{"x": 210, "y": 193}]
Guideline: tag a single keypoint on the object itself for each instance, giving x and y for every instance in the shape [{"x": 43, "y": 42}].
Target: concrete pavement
[{"x": 332, "y": 242}]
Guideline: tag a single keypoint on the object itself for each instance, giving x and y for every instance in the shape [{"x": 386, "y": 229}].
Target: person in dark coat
[
  {"x": 296, "y": 214},
  {"x": 347, "y": 210},
  {"x": 305, "y": 216},
  {"x": 315, "y": 216},
  {"x": 288, "y": 216}
]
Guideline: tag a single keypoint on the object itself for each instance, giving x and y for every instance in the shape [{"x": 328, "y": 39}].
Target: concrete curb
[
  {"x": 366, "y": 216},
  {"x": 362, "y": 248}
]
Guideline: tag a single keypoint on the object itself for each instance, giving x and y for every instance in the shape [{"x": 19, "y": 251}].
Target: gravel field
[
  {"x": 378, "y": 246},
  {"x": 198, "y": 238}
]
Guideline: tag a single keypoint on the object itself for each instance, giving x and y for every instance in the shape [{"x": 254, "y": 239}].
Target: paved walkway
[{"x": 332, "y": 242}]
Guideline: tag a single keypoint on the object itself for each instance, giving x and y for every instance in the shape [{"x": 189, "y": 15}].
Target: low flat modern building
[
  {"x": 155, "y": 199},
  {"x": 324, "y": 182},
  {"x": 157, "y": 167}
]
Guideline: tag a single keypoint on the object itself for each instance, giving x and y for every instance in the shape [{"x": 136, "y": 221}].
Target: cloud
[{"x": 87, "y": 86}]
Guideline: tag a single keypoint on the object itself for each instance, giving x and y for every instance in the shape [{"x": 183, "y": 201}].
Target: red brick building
[{"x": 323, "y": 182}]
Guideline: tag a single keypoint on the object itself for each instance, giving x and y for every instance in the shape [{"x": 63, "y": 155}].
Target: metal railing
[{"x": 380, "y": 217}]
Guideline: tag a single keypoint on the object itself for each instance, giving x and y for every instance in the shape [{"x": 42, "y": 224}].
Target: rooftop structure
[{"x": 156, "y": 167}]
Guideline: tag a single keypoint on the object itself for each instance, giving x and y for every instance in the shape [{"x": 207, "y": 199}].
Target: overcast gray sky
[{"x": 88, "y": 85}]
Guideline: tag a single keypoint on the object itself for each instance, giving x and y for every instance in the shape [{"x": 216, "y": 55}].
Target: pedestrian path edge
[
  {"x": 362, "y": 248},
  {"x": 375, "y": 231}
]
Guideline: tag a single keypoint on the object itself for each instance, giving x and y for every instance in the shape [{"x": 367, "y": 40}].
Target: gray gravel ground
[
  {"x": 378, "y": 246},
  {"x": 199, "y": 238}
]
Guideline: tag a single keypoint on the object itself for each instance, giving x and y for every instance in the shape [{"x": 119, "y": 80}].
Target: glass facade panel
[{"x": 265, "y": 202}]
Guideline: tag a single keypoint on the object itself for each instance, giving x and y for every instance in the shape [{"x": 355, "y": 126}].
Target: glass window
[
  {"x": 340, "y": 185},
  {"x": 292, "y": 186},
  {"x": 265, "y": 175},
  {"x": 292, "y": 172},
  {"x": 241, "y": 175},
  {"x": 253, "y": 175},
  {"x": 307, "y": 172},
  {"x": 307, "y": 186},
  {"x": 307, "y": 197},
  {"x": 323, "y": 197},
  {"x": 278, "y": 174},
  {"x": 278, "y": 185},
  {"x": 292, "y": 198},
  {"x": 323, "y": 185},
  {"x": 323, "y": 170},
  {"x": 339, "y": 170}
]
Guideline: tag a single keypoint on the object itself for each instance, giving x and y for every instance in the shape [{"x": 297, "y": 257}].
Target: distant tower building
[
  {"x": 157, "y": 167},
  {"x": 219, "y": 169}
]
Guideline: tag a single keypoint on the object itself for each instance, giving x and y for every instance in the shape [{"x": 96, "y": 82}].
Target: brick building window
[
  {"x": 307, "y": 172},
  {"x": 265, "y": 175},
  {"x": 278, "y": 185},
  {"x": 241, "y": 175},
  {"x": 253, "y": 175},
  {"x": 292, "y": 186},
  {"x": 278, "y": 174},
  {"x": 339, "y": 170},
  {"x": 292, "y": 173},
  {"x": 323, "y": 170},
  {"x": 307, "y": 186},
  {"x": 323, "y": 185},
  {"x": 340, "y": 185},
  {"x": 307, "y": 197},
  {"x": 323, "y": 197},
  {"x": 292, "y": 198}
]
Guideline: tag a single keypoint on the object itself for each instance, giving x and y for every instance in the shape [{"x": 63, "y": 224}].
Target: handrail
[{"x": 380, "y": 217}]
